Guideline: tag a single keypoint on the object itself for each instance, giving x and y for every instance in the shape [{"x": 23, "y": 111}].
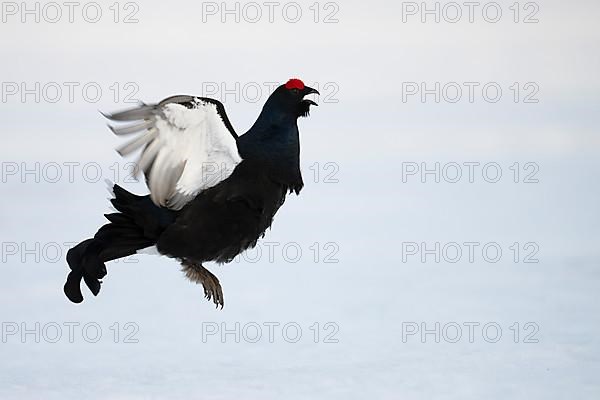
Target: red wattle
[{"x": 294, "y": 84}]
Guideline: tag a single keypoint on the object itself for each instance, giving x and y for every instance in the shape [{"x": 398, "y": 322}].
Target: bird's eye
[{"x": 295, "y": 91}]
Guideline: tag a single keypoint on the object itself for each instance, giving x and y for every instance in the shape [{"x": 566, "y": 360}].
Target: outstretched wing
[{"x": 188, "y": 146}]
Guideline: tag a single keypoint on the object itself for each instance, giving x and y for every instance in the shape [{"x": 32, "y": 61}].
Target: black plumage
[{"x": 219, "y": 222}]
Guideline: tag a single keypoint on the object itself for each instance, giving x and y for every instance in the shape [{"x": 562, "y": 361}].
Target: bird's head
[{"x": 290, "y": 97}]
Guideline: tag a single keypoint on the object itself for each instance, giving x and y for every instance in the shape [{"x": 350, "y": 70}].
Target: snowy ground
[
  {"x": 370, "y": 298},
  {"x": 345, "y": 305}
]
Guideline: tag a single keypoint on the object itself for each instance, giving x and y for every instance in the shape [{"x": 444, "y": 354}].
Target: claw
[{"x": 212, "y": 288}]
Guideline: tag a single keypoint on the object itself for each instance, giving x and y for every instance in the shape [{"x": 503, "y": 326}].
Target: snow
[
  {"x": 370, "y": 295},
  {"x": 365, "y": 305}
]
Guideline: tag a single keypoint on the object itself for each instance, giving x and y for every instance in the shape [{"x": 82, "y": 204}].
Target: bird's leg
[{"x": 212, "y": 288}]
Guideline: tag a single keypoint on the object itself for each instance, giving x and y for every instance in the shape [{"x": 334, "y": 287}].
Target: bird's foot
[{"x": 212, "y": 288}]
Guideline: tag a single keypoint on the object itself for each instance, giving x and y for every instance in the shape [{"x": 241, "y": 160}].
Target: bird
[{"x": 212, "y": 193}]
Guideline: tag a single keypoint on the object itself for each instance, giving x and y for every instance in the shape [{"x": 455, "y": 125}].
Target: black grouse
[{"x": 212, "y": 193}]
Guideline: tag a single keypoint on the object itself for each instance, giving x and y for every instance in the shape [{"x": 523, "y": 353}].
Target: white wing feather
[{"x": 185, "y": 150}]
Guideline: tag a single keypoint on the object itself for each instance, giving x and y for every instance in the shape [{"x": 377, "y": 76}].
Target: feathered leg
[{"x": 198, "y": 274}]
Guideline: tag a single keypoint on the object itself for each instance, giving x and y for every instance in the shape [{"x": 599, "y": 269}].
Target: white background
[{"x": 369, "y": 134}]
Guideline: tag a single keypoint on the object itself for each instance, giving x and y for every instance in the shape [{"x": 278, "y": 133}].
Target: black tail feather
[{"x": 136, "y": 226}]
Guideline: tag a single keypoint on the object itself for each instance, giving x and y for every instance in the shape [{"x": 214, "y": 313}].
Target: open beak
[{"x": 309, "y": 90}]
